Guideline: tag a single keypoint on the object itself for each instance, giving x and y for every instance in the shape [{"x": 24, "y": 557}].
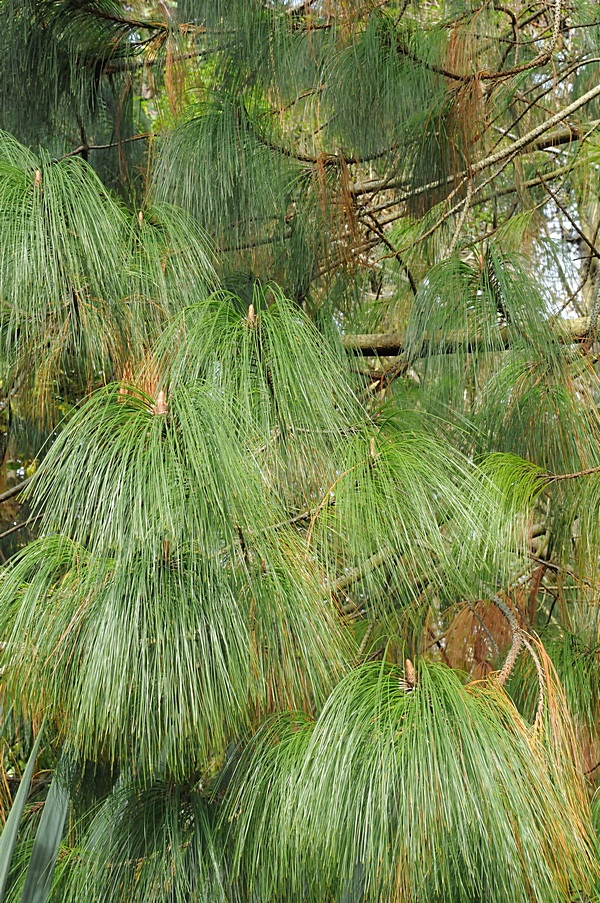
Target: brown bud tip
[
  {"x": 161, "y": 404},
  {"x": 140, "y": 217},
  {"x": 38, "y": 177},
  {"x": 411, "y": 678},
  {"x": 251, "y": 315},
  {"x": 372, "y": 447}
]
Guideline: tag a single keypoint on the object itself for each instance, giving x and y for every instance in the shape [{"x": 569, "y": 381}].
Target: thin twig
[
  {"x": 585, "y": 272},
  {"x": 403, "y": 9},
  {"x": 90, "y": 147},
  {"x": 379, "y": 231},
  {"x": 461, "y": 219},
  {"x": 561, "y": 207},
  {"x": 557, "y": 568},
  {"x": 555, "y": 478},
  {"x": 527, "y": 183},
  {"x": 147, "y": 62},
  {"x": 484, "y": 627},
  {"x": 14, "y": 490},
  {"x": 25, "y": 523}
]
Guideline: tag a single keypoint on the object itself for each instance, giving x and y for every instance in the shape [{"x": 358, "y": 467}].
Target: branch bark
[
  {"x": 520, "y": 640},
  {"x": 25, "y": 523},
  {"x": 14, "y": 490},
  {"x": 537, "y": 132},
  {"x": 533, "y": 141},
  {"x": 393, "y": 344}
]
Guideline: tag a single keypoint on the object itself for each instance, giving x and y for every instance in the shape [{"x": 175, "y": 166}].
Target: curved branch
[
  {"x": 540, "y": 60},
  {"x": 521, "y": 640},
  {"x": 541, "y": 676},
  {"x": 517, "y": 639}
]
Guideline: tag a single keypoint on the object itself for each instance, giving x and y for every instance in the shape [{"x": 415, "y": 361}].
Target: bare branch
[
  {"x": 25, "y": 523},
  {"x": 393, "y": 344},
  {"x": 14, "y": 490}
]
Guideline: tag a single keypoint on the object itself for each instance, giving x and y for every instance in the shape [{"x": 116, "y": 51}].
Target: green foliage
[
  {"x": 437, "y": 523},
  {"x": 144, "y": 843},
  {"x": 244, "y": 525},
  {"x": 405, "y": 792},
  {"x": 40, "y": 869},
  {"x": 401, "y": 105},
  {"x": 252, "y": 182},
  {"x": 171, "y": 598},
  {"x": 178, "y": 612},
  {"x": 8, "y": 838},
  {"x": 84, "y": 287}
]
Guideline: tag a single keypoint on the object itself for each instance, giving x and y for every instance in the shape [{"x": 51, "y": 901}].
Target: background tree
[{"x": 298, "y": 352}]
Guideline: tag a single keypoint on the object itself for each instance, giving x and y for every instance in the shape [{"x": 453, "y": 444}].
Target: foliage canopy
[{"x": 299, "y": 380}]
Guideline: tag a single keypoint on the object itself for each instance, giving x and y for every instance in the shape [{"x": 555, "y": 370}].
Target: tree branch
[
  {"x": 20, "y": 526},
  {"x": 393, "y": 344},
  {"x": 89, "y": 147},
  {"x": 520, "y": 640},
  {"x": 540, "y": 60},
  {"x": 375, "y": 226},
  {"x": 14, "y": 490},
  {"x": 537, "y": 132},
  {"x": 563, "y": 209},
  {"x": 566, "y": 135},
  {"x": 557, "y": 477}
]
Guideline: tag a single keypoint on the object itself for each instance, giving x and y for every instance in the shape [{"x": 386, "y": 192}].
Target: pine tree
[{"x": 298, "y": 352}]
